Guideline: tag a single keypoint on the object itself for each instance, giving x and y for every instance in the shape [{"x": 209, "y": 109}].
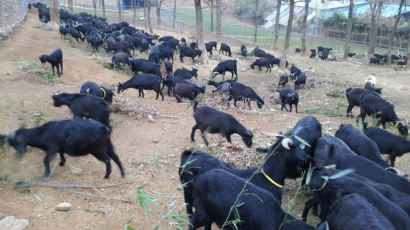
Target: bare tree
[
  {"x": 149, "y": 16},
  {"x": 134, "y": 11},
  {"x": 375, "y": 11},
  {"x": 211, "y": 6},
  {"x": 255, "y": 35},
  {"x": 102, "y": 5},
  {"x": 54, "y": 12},
  {"x": 275, "y": 42},
  {"x": 70, "y": 6},
  {"x": 95, "y": 7},
  {"x": 173, "y": 20},
  {"x": 158, "y": 10},
  {"x": 200, "y": 30},
  {"x": 288, "y": 33},
  {"x": 218, "y": 19},
  {"x": 393, "y": 32},
  {"x": 304, "y": 26},
  {"x": 119, "y": 10},
  {"x": 349, "y": 30}
]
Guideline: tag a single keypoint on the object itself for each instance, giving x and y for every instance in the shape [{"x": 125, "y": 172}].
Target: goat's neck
[
  {"x": 275, "y": 167},
  {"x": 33, "y": 137}
]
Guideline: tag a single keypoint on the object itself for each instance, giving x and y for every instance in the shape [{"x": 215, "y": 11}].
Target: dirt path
[{"x": 148, "y": 151}]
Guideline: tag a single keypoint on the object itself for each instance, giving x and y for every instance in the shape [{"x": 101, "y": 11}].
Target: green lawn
[{"x": 265, "y": 36}]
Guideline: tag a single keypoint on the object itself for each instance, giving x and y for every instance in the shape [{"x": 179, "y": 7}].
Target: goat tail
[
  {"x": 347, "y": 90},
  {"x": 262, "y": 150}
]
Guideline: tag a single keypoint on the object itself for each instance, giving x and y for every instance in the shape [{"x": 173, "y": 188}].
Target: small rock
[
  {"x": 65, "y": 206},
  {"x": 151, "y": 119},
  {"x": 11, "y": 223}
]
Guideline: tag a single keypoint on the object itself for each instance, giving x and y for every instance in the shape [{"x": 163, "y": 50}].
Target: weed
[
  {"x": 337, "y": 91},
  {"x": 114, "y": 121},
  {"x": 143, "y": 198},
  {"x": 42, "y": 71},
  {"x": 338, "y": 111}
]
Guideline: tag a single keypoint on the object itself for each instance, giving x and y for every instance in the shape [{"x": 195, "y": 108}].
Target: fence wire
[{"x": 12, "y": 12}]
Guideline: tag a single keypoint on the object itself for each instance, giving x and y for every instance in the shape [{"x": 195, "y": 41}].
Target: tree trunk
[
  {"x": 173, "y": 20},
  {"x": 95, "y": 7},
  {"x": 349, "y": 30},
  {"x": 70, "y": 6},
  {"x": 218, "y": 19},
  {"x": 288, "y": 33},
  {"x": 211, "y": 6},
  {"x": 149, "y": 16},
  {"x": 255, "y": 35},
  {"x": 158, "y": 11},
  {"x": 145, "y": 15},
  {"x": 134, "y": 12},
  {"x": 54, "y": 12},
  {"x": 408, "y": 52},
  {"x": 275, "y": 42},
  {"x": 393, "y": 33},
  {"x": 200, "y": 31},
  {"x": 119, "y": 10},
  {"x": 374, "y": 19},
  {"x": 304, "y": 26},
  {"x": 103, "y": 7}
]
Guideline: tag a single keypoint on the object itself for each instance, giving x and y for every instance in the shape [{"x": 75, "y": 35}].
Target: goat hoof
[{"x": 62, "y": 163}]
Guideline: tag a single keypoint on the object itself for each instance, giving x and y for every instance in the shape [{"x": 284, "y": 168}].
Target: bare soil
[{"x": 149, "y": 151}]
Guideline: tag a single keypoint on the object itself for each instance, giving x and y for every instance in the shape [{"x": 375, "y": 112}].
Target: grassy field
[{"x": 265, "y": 36}]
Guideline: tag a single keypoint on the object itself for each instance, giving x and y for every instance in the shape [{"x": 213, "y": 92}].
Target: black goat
[
  {"x": 374, "y": 61},
  {"x": 369, "y": 87},
  {"x": 141, "y": 82},
  {"x": 63, "y": 31},
  {"x": 217, "y": 191},
  {"x": 193, "y": 45},
  {"x": 43, "y": 14},
  {"x": 168, "y": 67},
  {"x": 353, "y": 98},
  {"x": 297, "y": 50},
  {"x": 92, "y": 88},
  {"x": 294, "y": 70},
  {"x": 284, "y": 159},
  {"x": 283, "y": 80},
  {"x": 85, "y": 106},
  {"x": 166, "y": 53},
  {"x": 226, "y": 66},
  {"x": 185, "y": 73},
  {"x": 209, "y": 46},
  {"x": 377, "y": 106},
  {"x": 55, "y": 59},
  {"x": 213, "y": 121},
  {"x": 95, "y": 39},
  {"x": 290, "y": 97},
  {"x": 262, "y": 62},
  {"x": 170, "y": 82},
  {"x": 222, "y": 86},
  {"x": 312, "y": 53},
  {"x": 351, "y": 54},
  {"x": 355, "y": 212},
  {"x": 388, "y": 143},
  {"x": 244, "y": 52},
  {"x": 331, "y": 150},
  {"x": 225, "y": 48},
  {"x": 187, "y": 90},
  {"x": 329, "y": 190},
  {"x": 189, "y": 52},
  {"x": 239, "y": 91},
  {"x": 144, "y": 66},
  {"x": 120, "y": 57},
  {"x": 299, "y": 80},
  {"x": 259, "y": 52},
  {"x": 75, "y": 137},
  {"x": 360, "y": 144},
  {"x": 75, "y": 34}
]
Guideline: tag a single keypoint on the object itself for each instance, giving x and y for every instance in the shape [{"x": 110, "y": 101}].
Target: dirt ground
[{"x": 149, "y": 151}]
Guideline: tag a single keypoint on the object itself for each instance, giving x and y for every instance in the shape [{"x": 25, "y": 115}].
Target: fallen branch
[
  {"x": 21, "y": 74},
  {"x": 97, "y": 196},
  {"x": 54, "y": 167},
  {"x": 272, "y": 134},
  {"x": 79, "y": 186}
]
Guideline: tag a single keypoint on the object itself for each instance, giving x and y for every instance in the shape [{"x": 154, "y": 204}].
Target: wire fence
[{"x": 13, "y": 13}]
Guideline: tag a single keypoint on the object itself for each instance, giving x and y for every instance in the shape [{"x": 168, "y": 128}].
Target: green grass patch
[
  {"x": 337, "y": 91},
  {"x": 338, "y": 111},
  {"x": 40, "y": 70}
]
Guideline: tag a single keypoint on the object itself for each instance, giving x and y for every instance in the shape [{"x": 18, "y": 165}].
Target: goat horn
[
  {"x": 396, "y": 170},
  {"x": 286, "y": 143},
  {"x": 333, "y": 166},
  {"x": 272, "y": 134}
]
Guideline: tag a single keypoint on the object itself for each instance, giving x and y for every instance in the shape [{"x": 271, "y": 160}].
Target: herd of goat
[{"x": 347, "y": 178}]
